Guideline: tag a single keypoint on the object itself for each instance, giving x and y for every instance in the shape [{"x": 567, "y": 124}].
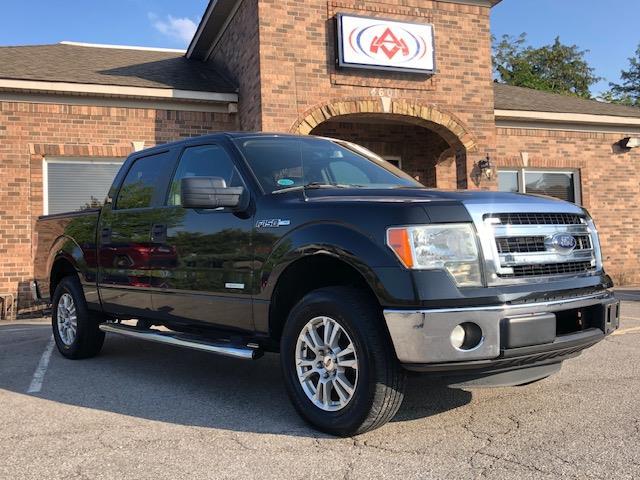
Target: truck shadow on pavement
[{"x": 186, "y": 387}]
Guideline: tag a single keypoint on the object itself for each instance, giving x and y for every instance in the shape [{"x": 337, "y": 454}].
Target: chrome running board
[{"x": 183, "y": 340}]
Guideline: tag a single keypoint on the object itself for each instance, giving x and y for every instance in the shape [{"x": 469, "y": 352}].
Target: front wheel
[
  {"x": 340, "y": 370},
  {"x": 76, "y": 333}
]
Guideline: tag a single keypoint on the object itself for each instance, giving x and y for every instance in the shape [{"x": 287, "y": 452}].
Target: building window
[
  {"x": 71, "y": 184},
  {"x": 562, "y": 184},
  {"x": 394, "y": 160}
]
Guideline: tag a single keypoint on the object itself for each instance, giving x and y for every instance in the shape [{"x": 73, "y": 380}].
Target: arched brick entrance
[{"x": 432, "y": 144}]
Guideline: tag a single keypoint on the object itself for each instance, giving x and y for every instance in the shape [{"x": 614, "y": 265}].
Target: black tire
[
  {"x": 88, "y": 338},
  {"x": 379, "y": 390}
]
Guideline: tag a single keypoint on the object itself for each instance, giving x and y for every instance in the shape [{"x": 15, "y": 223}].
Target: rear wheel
[
  {"x": 340, "y": 370},
  {"x": 75, "y": 331}
]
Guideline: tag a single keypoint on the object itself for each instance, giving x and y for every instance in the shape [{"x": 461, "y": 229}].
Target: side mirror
[{"x": 209, "y": 192}]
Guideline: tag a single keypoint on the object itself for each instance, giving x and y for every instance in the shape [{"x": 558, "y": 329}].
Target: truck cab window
[
  {"x": 280, "y": 163},
  {"x": 203, "y": 161},
  {"x": 142, "y": 181}
]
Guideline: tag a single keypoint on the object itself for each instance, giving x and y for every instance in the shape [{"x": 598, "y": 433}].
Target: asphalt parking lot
[{"x": 148, "y": 411}]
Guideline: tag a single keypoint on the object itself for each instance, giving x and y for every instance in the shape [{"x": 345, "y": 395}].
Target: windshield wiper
[
  {"x": 315, "y": 185},
  {"x": 328, "y": 185}
]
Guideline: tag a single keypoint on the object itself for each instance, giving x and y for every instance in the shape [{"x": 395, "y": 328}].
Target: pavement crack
[
  {"x": 488, "y": 439},
  {"x": 511, "y": 461},
  {"x": 485, "y": 438},
  {"x": 382, "y": 448},
  {"x": 615, "y": 341},
  {"x": 79, "y": 474},
  {"x": 236, "y": 439}
]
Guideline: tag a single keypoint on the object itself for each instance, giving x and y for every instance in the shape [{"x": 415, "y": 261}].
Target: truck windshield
[{"x": 281, "y": 163}]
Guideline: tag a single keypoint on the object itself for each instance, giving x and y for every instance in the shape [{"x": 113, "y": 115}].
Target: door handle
[
  {"x": 105, "y": 235},
  {"x": 159, "y": 233}
]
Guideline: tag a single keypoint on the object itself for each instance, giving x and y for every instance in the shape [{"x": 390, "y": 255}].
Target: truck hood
[{"x": 473, "y": 200}]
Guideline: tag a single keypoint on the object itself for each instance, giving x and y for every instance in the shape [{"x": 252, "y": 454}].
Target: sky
[
  {"x": 608, "y": 28},
  {"x": 149, "y": 23}
]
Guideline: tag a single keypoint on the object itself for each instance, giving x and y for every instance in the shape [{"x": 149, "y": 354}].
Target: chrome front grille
[
  {"x": 550, "y": 269},
  {"x": 535, "y": 244},
  {"x": 537, "y": 218},
  {"x": 525, "y": 245}
]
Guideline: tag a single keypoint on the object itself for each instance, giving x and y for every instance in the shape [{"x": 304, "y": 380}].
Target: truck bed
[{"x": 60, "y": 234}]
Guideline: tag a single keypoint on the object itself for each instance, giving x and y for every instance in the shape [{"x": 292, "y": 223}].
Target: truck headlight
[{"x": 451, "y": 247}]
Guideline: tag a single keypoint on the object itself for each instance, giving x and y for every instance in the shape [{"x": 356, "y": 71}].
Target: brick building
[{"x": 70, "y": 113}]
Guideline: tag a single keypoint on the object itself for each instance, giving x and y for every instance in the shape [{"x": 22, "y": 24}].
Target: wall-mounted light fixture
[
  {"x": 629, "y": 142},
  {"x": 486, "y": 168}
]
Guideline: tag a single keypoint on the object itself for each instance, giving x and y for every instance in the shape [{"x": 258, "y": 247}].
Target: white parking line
[
  {"x": 12, "y": 330},
  {"x": 41, "y": 369},
  {"x": 627, "y": 296},
  {"x": 624, "y": 331}
]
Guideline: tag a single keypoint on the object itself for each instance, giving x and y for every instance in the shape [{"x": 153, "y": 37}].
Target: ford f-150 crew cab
[{"x": 322, "y": 251}]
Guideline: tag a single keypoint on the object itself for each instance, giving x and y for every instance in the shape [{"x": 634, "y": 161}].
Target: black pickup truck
[{"x": 318, "y": 249}]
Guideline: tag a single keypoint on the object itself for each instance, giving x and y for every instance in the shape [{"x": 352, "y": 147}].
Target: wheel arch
[
  {"x": 66, "y": 258},
  {"x": 62, "y": 267},
  {"x": 295, "y": 282}
]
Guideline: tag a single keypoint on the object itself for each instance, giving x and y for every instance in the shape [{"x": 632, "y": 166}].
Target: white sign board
[{"x": 375, "y": 43}]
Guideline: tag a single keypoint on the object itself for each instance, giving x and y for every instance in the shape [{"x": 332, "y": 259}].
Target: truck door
[
  {"x": 124, "y": 236},
  {"x": 201, "y": 268}
]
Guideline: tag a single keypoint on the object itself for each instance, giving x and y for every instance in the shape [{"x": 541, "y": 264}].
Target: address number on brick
[{"x": 384, "y": 92}]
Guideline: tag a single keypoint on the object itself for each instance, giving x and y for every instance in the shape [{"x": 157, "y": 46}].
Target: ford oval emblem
[{"x": 562, "y": 243}]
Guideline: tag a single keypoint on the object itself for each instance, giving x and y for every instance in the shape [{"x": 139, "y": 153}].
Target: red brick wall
[
  {"x": 610, "y": 186},
  {"x": 237, "y": 56},
  {"x": 28, "y": 130},
  {"x": 297, "y": 67}
]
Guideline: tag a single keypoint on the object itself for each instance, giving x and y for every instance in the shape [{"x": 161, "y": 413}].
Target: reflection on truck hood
[{"x": 477, "y": 199}]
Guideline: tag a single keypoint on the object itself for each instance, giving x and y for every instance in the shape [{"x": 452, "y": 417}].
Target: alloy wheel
[
  {"x": 326, "y": 364},
  {"x": 67, "y": 319}
]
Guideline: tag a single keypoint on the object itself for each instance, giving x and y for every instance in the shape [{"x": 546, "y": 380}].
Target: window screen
[
  {"x": 77, "y": 185},
  {"x": 203, "y": 161},
  {"x": 142, "y": 181},
  {"x": 563, "y": 185},
  {"x": 559, "y": 185},
  {"x": 508, "y": 181}
]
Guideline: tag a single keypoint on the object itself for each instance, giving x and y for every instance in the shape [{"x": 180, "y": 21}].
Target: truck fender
[
  {"x": 358, "y": 249},
  {"x": 65, "y": 247}
]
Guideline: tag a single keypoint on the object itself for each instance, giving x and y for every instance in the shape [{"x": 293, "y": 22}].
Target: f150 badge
[{"x": 272, "y": 223}]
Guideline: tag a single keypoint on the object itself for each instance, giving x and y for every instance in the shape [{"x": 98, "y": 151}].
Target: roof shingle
[
  {"x": 159, "y": 69},
  {"x": 508, "y": 97},
  {"x": 110, "y": 66}
]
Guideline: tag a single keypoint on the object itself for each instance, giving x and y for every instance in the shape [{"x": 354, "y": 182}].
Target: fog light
[
  {"x": 457, "y": 336},
  {"x": 466, "y": 336}
]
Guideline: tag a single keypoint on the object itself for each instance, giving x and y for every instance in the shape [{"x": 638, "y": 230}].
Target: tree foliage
[
  {"x": 627, "y": 92},
  {"x": 555, "y": 68}
]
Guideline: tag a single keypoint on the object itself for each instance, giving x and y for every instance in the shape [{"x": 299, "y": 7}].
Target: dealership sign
[{"x": 375, "y": 43}]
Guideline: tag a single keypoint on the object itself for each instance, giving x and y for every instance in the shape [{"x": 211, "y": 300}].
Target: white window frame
[
  {"x": 80, "y": 160},
  {"x": 522, "y": 172},
  {"x": 394, "y": 158}
]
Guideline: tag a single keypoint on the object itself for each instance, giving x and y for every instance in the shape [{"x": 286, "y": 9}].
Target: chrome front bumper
[{"x": 424, "y": 336}]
